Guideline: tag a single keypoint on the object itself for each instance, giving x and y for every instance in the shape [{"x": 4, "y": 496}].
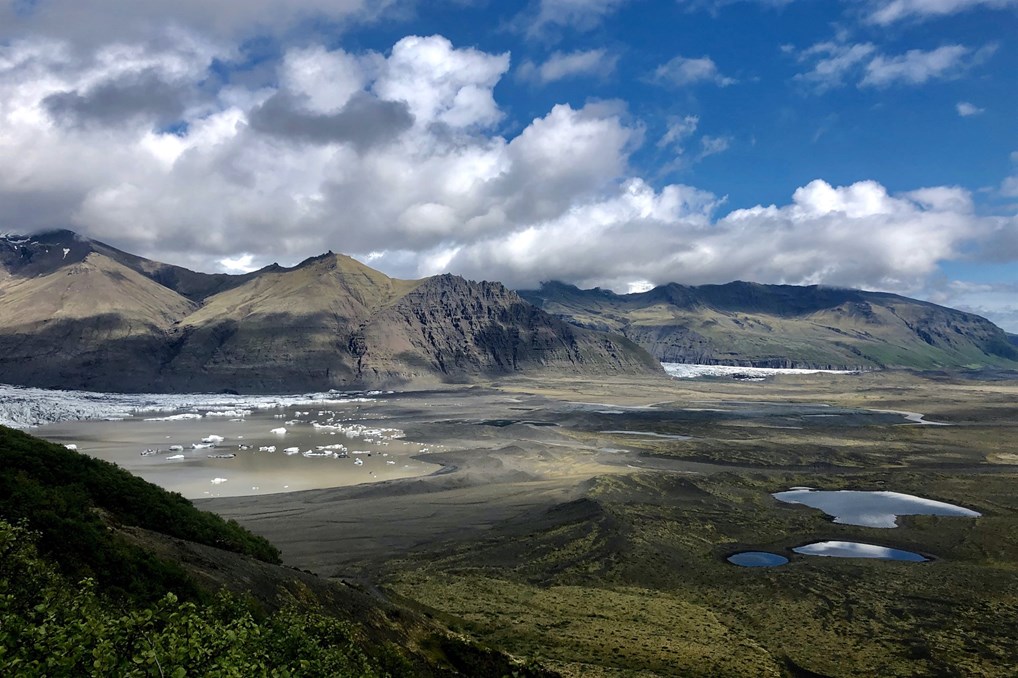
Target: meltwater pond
[
  {"x": 757, "y": 559},
  {"x": 851, "y": 549},
  {"x": 871, "y": 509}
]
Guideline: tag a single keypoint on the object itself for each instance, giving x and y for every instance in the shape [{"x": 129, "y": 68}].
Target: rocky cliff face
[
  {"x": 785, "y": 326},
  {"x": 460, "y": 328},
  {"x": 76, "y": 313}
]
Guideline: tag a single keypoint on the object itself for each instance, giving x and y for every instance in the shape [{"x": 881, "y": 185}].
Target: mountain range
[
  {"x": 754, "y": 325},
  {"x": 77, "y": 313}
]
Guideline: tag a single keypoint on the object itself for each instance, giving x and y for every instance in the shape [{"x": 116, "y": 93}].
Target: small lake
[
  {"x": 871, "y": 509},
  {"x": 851, "y": 549},
  {"x": 756, "y": 559}
]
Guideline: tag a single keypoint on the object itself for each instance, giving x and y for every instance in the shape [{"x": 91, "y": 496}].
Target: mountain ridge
[
  {"x": 76, "y": 313},
  {"x": 758, "y": 325}
]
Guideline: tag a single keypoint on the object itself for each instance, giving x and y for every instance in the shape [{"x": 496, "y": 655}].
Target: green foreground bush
[{"x": 49, "y": 626}]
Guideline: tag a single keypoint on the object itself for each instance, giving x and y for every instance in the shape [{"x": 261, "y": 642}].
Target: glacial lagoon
[
  {"x": 230, "y": 448},
  {"x": 870, "y": 509}
]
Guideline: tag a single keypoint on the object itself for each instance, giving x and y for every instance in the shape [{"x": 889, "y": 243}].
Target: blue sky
[{"x": 621, "y": 143}]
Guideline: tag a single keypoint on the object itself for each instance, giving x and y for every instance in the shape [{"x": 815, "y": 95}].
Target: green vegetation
[
  {"x": 785, "y": 325},
  {"x": 632, "y": 581},
  {"x": 80, "y": 598},
  {"x": 73, "y": 501},
  {"x": 50, "y": 627}
]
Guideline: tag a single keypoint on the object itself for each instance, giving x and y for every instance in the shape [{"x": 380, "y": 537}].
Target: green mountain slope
[
  {"x": 102, "y": 573},
  {"x": 785, "y": 326}
]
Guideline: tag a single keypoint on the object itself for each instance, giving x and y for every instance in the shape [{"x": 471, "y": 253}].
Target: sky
[{"x": 612, "y": 143}]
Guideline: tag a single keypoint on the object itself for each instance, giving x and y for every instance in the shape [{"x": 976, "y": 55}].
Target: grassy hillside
[
  {"x": 72, "y": 500},
  {"x": 102, "y": 573},
  {"x": 785, "y": 326}
]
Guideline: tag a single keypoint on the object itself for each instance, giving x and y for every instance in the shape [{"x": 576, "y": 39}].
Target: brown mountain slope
[
  {"x": 76, "y": 313},
  {"x": 82, "y": 321}
]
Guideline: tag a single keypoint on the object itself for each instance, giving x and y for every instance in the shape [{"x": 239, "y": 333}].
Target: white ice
[
  {"x": 27, "y": 407},
  {"x": 689, "y": 371}
]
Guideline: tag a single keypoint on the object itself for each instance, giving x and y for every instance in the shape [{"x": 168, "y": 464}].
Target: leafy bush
[{"x": 49, "y": 627}]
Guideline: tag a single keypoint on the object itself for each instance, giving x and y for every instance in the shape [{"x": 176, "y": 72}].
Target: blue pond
[
  {"x": 870, "y": 509},
  {"x": 851, "y": 549},
  {"x": 757, "y": 559}
]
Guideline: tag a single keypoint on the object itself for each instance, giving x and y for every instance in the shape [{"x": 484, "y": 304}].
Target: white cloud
[
  {"x": 441, "y": 83},
  {"x": 681, "y": 71},
  {"x": 856, "y": 235},
  {"x": 994, "y": 301},
  {"x": 679, "y": 129},
  {"x": 1009, "y": 186},
  {"x": 560, "y": 65},
  {"x": 291, "y": 179},
  {"x": 916, "y": 66},
  {"x": 886, "y": 12},
  {"x": 966, "y": 109},
  {"x": 710, "y": 145},
  {"x": 836, "y": 62},
  {"x": 240, "y": 264},
  {"x": 433, "y": 187},
  {"x": 577, "y": 14}
]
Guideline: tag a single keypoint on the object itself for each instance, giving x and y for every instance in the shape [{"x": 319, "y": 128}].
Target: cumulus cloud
[
  {"x": 834, "y": 63},
  {"x": 681, "y": 71},
  {"x": 857, "y": 235},
  {"x": 884, "y": 12},
  {"x": 398, "y": 158},
  {"x": 561, "y": 65}
]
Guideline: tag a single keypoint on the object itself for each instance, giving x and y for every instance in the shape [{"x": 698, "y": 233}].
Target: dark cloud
[
  {"x": 141, "y": 95},
  {"x": 364, "y": 121}
]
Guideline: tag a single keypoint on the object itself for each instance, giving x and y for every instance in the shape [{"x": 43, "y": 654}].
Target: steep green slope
[
  {"x": 785, "y": 326},
  {"x": 72, "y": 500},
  {"x": 104, "y": 574}
]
